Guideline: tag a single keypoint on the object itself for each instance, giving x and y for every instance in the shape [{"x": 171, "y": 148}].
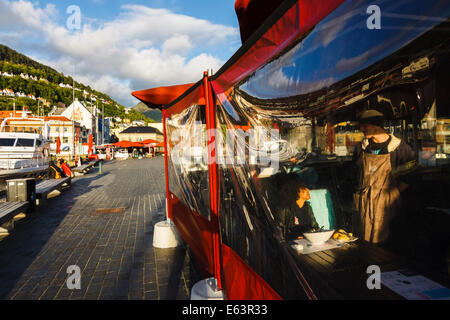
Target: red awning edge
[
  {"x": 297, "y": 20},
  {"x": 161, "y": 96}
]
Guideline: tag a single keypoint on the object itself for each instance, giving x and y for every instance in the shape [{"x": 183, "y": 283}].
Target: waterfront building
[
  {"x": 139, "y": 134},
  {"x": 87, "y": 117}
]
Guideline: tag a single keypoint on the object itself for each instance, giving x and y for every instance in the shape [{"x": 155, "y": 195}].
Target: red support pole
[
  {"x": 213, "y": 177},
  {"x": 166, "y": 164}
]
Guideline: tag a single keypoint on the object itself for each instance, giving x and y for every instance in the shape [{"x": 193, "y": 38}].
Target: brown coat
[{"x": 378, "y": 197}]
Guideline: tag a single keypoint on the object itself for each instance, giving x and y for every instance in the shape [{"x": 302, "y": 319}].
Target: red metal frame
[
  {"x": 213, "y": 177},
  {"x": 166, "y": 165}
]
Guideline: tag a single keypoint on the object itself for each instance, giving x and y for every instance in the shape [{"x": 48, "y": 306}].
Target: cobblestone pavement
[{"x": 113, "y": 249}]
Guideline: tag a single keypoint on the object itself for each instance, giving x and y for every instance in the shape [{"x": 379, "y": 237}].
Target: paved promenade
[{"x": 112, "y": 248}]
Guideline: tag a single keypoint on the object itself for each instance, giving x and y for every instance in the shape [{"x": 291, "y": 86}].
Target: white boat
[{"x": 22, "y": 155}]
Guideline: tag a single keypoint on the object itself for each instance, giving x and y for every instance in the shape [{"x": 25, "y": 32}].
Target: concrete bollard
[
  {"x": 206, "y": 290},
  {"x": 166, "y": 236}
]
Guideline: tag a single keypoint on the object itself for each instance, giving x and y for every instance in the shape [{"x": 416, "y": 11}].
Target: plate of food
[{"x": 343, "y": 236}]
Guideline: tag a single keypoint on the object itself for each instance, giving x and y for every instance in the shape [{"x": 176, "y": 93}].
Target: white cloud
[
  {"x": 141, "y": 48},
  {"x": 177, "y": 44}
]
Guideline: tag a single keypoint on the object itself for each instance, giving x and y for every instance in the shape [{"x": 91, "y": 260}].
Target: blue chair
[{"x": 322, "y": 207}]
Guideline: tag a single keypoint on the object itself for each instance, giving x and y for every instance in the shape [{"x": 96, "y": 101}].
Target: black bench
[
  {"x": 8, "y": 210},
  {"x": 45, "y": 187}
]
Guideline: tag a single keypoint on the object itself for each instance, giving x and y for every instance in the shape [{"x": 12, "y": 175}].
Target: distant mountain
[{"x": 154, "y": 114}]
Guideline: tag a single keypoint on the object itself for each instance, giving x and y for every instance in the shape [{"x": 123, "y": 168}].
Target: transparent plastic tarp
[
  {"x": 188, "y": 162},
  {"x": 295, "y": 124}
]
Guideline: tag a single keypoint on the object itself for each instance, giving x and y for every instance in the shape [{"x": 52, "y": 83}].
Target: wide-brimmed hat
[{"x": 373, "y": 117}]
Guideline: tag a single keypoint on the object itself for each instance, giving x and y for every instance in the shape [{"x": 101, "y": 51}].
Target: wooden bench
[
  {"x": 45, "y": 187},
  {"x": 81, "y": 170},
  {"x": 8, "y": 210}
]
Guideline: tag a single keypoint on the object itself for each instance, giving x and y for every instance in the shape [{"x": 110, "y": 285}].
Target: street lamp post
[{"x": 73, "y": 114}]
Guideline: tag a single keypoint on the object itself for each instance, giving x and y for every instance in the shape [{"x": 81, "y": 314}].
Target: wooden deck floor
[{"x": 114, "y": 251}]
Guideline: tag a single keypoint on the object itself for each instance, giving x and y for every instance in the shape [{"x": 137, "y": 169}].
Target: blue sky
[
  {"x": 217, "y": 11},
  {"x": 122, "y": 46}
]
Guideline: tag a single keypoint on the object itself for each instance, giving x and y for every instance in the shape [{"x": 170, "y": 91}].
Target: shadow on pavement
[{"x": 29, "y": 237}]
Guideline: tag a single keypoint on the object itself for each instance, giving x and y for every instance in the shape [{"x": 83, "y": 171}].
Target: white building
[
  {"x": 86, "y": 116},
  {"x": 138, "y": 123},
  {"x": 8, "y": 92},
  {"x": 158, "y": 126}
]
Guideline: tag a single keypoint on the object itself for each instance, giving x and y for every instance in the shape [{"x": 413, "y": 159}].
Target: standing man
[{"x": 380, "y": 158}]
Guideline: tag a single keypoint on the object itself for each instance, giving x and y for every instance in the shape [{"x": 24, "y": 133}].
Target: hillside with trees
[
  {"x": 154, "y": 114},
  {"x": 40, "y": 88}
]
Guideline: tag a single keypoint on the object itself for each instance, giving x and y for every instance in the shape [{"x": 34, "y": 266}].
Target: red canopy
[
  {"x": 159, "y": 145},
  {"x": 58, "y": 145},
  {"x": 150, "y": 141},
  {"x": 159, "y": 97},
  {"x": 252, "y": 13},
  {"x": 128, "y": 144},
  {"x": 295, "y": 22},
  {"x": 104, "y": 146}
]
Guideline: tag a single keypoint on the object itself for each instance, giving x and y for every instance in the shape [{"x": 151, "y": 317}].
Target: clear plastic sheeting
[
  {"x": 251, "y": 147},
  {"x": 188, "y": 158},
  {"x": 292, "y": 141},
  {"x": 346, "y": 46}
]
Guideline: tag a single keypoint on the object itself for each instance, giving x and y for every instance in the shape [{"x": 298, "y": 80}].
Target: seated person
[
  {"x": 295, "y": 214},
  {"x": 54, "y": 171},
  {"x": 65, "y": 167}
]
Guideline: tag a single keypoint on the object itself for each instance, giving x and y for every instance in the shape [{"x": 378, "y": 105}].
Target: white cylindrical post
[
  {"x": 207, "y": 290},
  {"x": 166, "y": 235}
]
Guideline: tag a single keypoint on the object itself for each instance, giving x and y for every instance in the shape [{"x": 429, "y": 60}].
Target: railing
[
  {"x": 22, "y": 129},
  {"x": 20, "y": 161}
]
